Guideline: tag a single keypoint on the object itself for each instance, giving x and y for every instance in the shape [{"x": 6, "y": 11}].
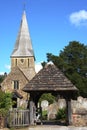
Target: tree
[
  {"x": 5, "y": 103},
  {"x": 43, "y": 64},
  {"x": 2, "y": 77},
  {"x": 47, "y": 96},
  {"x": 72, "y": 60}
]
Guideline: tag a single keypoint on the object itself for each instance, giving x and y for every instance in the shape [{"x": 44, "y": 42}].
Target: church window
[{"x": 16, "y": 84}]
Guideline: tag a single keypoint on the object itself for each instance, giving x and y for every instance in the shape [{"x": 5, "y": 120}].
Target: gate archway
[{"x": 50, "y": 80}]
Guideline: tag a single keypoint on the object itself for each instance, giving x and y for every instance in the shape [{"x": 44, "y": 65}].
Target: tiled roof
[
  {"x": 50, "y": 78},
  {"x": 16, "y": 94}
]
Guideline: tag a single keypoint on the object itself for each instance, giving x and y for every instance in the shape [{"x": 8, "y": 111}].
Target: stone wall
[
  {"x": 23, "y": 63},
  {"x": 15, "y": 75},
  {"x": 79, "y": 111},
  {"x": 78, "y": 107},
  {"x": 8, "y": 83}
]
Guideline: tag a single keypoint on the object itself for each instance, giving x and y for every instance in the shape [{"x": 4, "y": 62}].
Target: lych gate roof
[
  {"x": 50, "y": 78},
  {"x": 23, "y": 45}
]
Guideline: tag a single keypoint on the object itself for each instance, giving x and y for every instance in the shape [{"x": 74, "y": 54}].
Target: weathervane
[{"x": 24, "y": 5}]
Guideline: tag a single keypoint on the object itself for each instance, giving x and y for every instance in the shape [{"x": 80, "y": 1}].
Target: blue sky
[{"x": 52, "y": 24}]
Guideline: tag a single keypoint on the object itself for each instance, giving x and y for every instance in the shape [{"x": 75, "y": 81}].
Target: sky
[{"x": 52, "y": 25}]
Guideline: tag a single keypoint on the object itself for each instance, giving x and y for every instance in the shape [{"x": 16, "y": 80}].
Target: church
[
  {"x": 22, "y": 66},
  {"x": 25, "y": 85}
]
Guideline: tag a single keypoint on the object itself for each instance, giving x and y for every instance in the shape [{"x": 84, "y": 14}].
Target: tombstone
[
  {"x": 61, "y": 103},
  {"x": 44, "y": 105}
]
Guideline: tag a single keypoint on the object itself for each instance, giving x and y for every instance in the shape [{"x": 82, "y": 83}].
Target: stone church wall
[{"x": 8, "y": 86}]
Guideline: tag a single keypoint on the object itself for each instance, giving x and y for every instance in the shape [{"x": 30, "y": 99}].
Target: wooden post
[
  {"x": 31, "y": 106},
  {"x": 68, "y": 112}
]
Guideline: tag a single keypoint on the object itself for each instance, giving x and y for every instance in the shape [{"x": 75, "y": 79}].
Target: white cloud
[
  {"x": 8, "y": 67},
  {"x": 38, "y": 67},
  {"x": 79, "y": 18},
  {"x": 2, "y": 73}
]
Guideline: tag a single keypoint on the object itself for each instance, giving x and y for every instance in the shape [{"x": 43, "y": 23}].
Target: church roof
[
  {"x": 23, "y": 45},
  {"x": 16, "y": 94},
  {"x": 50, "y": 78}
]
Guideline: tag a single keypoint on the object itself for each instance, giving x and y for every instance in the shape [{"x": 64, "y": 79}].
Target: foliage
[
  {"x": 72, "y": 60},
  {"x": 47, "y": 96},
  {"x": 5, "y": 103},
  {"x": 61, "y": 114},
  {"x": 44, "y": 115},
  {"x": 43, "y": 64},
  {"x": 2, "y": 77}
]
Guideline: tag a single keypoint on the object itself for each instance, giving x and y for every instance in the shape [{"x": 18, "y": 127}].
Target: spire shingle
[{"x": 23, "y": 45}]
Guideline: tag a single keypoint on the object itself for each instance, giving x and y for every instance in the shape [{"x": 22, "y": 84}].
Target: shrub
[
  {"x": 44, "y": 115},
  {"x": 61, "y": 114},
  {"x": 5, "y": 103},
  {"x": 47, "y": 96}
]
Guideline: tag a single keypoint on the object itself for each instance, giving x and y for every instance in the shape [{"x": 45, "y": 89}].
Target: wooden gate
[{"x": 18, "y": 118}]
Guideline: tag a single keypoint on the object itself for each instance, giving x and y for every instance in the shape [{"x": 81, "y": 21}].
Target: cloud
[
  {"x": 79, "y": 18},
  {"x": 38, "y": 67},
  {"x": 8, "y": 67},
  {"x": 2, "y": 73}
]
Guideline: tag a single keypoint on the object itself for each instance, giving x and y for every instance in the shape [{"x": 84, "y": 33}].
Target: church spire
[{"x": 23, "y": 45}]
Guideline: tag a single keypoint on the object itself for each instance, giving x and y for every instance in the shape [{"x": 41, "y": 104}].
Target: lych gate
[{"x": 50, "y": 80}]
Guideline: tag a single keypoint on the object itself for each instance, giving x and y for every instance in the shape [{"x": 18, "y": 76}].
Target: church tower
[
  {"x": 22, "y": 65},
  {"x": 23, "y": 55}
]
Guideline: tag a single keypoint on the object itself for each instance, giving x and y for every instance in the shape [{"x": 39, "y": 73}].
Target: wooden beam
[{"x": 68, "y": 112}]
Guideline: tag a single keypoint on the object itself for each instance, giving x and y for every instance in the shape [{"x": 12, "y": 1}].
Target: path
[
  {"x": 49, "y": 127},
  {"x": 56, "y": 127}
]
